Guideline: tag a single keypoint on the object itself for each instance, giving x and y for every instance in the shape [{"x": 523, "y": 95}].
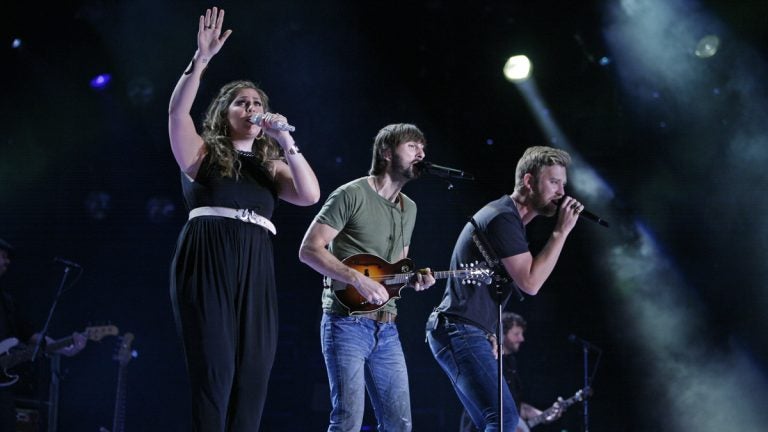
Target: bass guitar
[
  {"x": 394, "y": 277},
  {"x": 13, "y": 353},
  {"x": 554, "y": 411}
]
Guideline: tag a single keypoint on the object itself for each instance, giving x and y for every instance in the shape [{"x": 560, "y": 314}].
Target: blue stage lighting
[{"x": 101, "y": 81}]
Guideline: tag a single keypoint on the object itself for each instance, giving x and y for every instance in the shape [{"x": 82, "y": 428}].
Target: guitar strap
[
  {"x": 500, "y": 275},
  {"x": 402, "y": 218}
]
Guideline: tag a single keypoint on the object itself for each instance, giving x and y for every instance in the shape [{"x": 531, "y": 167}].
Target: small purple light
[
  {"x": 99, "y": 82},
  {"x": 16, "y": 43}
]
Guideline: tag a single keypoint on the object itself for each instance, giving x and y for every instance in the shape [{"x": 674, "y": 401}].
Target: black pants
[{"x": 223, "y": 291}]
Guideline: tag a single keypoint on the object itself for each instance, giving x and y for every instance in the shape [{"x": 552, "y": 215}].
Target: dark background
[{"x": 88, "y": 175}]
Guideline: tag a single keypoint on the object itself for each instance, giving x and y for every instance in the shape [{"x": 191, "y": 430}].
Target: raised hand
[{"x": 210, "y": 38}]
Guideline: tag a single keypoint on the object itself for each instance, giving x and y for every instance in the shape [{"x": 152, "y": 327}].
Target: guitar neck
[
  {"x": 404, "y": 277},
  {"x": 118, "y": 423},
  {"x": 59, "y": 344},
  {"x": 447, "y": 273},
  {"x": 541, "y": 418},
  {"x": 21, "y": 355},
  {"x": 551, "y": 411}
]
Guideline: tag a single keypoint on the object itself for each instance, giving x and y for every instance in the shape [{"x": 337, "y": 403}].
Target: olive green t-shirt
[{"x": 367, "y": 223}]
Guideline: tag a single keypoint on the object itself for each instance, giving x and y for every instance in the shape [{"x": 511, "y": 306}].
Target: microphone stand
[
  {"x": 44, "y": 331},
  {"x": 585, "y": 351},
  {"x": 499, "y": 279},
  {"x": 585, "y": 348},
  {"x": 500, "y": 352}
]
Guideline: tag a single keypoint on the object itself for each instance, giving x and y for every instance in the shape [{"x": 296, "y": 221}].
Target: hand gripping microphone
[
  {"x": 586, "y": 214},
  {"x": 258, "y": 119}
]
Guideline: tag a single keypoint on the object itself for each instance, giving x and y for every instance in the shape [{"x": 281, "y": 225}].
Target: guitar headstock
[
  {"x": 124, "y": 352},
  {"x": 96, "y": 333},
  {"x": 579, "y": 396},
  {"x": 583, "y": 394},
  {"x": 474, "y": 273}
]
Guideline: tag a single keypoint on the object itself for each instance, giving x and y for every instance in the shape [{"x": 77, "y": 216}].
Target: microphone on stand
[
  {"x": 258, "y": 119},
  {"x": 67, "y": 263},
  {"x": 577, "y": 340},
  {"x": 441, "y": 171}
]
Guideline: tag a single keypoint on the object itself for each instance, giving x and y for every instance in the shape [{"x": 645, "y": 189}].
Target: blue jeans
[
  {"x": 363, "y": 354},
  {"x": 465, "y": 354}
]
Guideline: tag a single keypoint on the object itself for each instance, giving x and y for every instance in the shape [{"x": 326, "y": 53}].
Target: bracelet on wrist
[{"x": 293, "y": 150}]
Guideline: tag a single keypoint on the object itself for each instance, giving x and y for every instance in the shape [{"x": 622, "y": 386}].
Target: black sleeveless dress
[{"x": 224, "y": 297}]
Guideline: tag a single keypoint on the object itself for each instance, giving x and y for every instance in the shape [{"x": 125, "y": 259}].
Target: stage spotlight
[
  {"x": 101, "y": 81},
  {"x": 98, "y": 205},
  {"x": 517, "y": 68},
  {"x": 160, "y": 209},
  {"x": 16, "y": 43},
  {"x": 141, "y": 91},
  {"x": 707, "y": 46}
]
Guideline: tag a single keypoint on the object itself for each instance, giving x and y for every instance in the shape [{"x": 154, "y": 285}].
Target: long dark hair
[{"x": 218, "y": 144}]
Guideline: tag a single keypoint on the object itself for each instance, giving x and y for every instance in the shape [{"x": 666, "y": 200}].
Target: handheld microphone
[
  {"x": 62, "y": 261},
  {"x": 441, "y": 171},
  {"x": 586, "y": 214},
  {"x": 258, "y": 119}
]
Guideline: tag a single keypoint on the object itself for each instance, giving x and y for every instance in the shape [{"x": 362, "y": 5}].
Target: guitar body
[
  {"x": 393, "y": 276},
  {"x": 7, "y": 379}
]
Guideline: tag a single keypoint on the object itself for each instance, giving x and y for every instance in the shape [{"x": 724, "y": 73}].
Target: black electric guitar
[
  {"x": 123, "y": 356},
  {"x": 394, "y": 277},
  {"x": 554, "y": 411},
  {"x": 13, "y": 353}
]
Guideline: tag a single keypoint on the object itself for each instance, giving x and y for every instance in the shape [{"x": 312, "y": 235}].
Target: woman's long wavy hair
[{"x": 218, "y": 144}]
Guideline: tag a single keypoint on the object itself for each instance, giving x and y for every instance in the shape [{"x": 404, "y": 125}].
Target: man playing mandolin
[{"x": 359, "y": 337}]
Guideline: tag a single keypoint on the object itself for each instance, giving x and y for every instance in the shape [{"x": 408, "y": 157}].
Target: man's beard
[
  {"x": 543, "y": 207},
  {"x": 401, "y": 169}
]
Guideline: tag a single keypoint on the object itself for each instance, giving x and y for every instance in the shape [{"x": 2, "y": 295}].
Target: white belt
[{"x": 244, "y": 215}]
